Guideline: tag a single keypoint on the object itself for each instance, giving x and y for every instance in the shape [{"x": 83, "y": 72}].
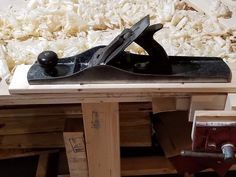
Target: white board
[{"x": 20, "y": 85}]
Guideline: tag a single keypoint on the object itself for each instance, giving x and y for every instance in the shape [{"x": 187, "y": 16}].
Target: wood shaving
[{"x": 69, "y": 27}]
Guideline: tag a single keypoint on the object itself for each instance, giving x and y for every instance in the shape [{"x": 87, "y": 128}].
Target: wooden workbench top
[
  {"x": 20, "y": 85},
  {"x": 23, "y": 93}
]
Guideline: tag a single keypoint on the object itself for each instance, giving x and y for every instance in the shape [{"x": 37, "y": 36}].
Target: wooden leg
[
  {"x": 76, "y": 155},
  {"x": 101, "y": 126},
  {"x": 42, "y": 165}
]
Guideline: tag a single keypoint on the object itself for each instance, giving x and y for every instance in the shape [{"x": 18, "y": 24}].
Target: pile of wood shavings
[{"x": 69, "y": 27}]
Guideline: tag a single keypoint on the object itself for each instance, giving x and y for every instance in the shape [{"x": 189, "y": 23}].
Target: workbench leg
[
  {"x": 101, "y": 126},
  {"x": 42, "y": 165},
  {"x": 76, "y": 155}
]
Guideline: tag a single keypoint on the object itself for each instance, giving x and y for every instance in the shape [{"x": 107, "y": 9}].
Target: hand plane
[{"x": 112, "y": 64}]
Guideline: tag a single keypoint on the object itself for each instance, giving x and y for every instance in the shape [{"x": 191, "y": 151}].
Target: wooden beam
[
  {"x": 173, "y": 132},
  {"x": 163, "y": 104},
  {"x": 20, "y": 85},
  {"x": 231, "y": 102},
  {"x": 215, "y": 116},
  {"x": 76, "y": 154},
  {"x": 206, "y": 102},
  {"x": 27, "y": 122},
  {"x": 166, "y": 104},
  {"x": 37, "y": 140},
  {"x": 149, "y": 165},
  {"x": 28, "y": 125},
  {"x": 3, "y": 88},
  {"x": 152, "y": 165},
  {"x": 42, "y": 166},
  {"x": 42, "y": 110},
  {"x": 135, "y": 107},
  {"x": 101, "y": 126},
  {"x": 23, "y": 93},
  {"x": 19, "y": 153},
  {"x": 135, "y": 129}
]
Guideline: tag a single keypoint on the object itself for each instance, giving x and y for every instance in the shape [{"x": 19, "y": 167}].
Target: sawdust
[{"x": 69, "y": 27}]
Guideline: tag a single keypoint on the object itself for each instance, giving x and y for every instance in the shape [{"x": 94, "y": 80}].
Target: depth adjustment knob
[{"x": 48, "y": 60}]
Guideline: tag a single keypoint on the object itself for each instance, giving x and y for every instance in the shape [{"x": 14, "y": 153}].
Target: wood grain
[
  {"x": 173, "y": 132},
  {"x": 27, "y": 125},
  {"x": 215, "y": 116},
  {"x": 42, "y": 166},
  {"x": 135, "y": 124},
  {"x": 135, "y": 129},
  {"x": 101, "y": 126},
  {"x": 19, "y": 153},
  {"x": 23, "y": 94},
  {"x": 76, "y": 154},
  {"x": 3, "y": 88},
  {"x": 206, "y": 102},
  {"x": 42, "y": 110},
  {"x": 149, "y": 165},
  {"x": 138, "y": 166},
  {"x": 231, "y": 102},
  {"x": 135, "y": 107},
  {"x": 19, "y": 85},
  {"x": 37, "y": 140},
  {"x": 166, "y": 104}
]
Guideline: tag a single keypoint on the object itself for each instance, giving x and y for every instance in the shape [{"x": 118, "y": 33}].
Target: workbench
[{"x": 100, "y": 108}]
